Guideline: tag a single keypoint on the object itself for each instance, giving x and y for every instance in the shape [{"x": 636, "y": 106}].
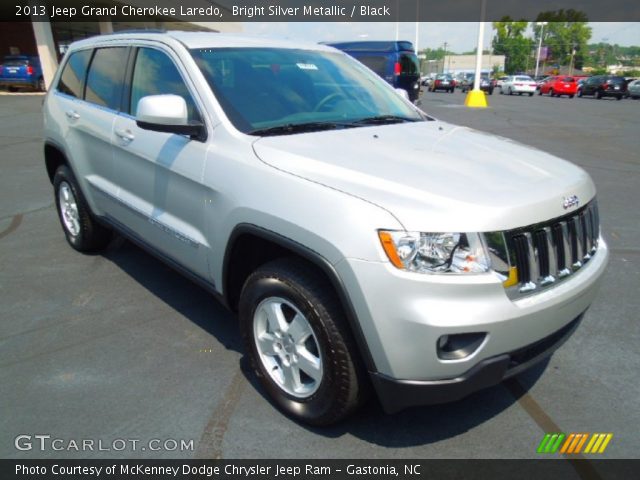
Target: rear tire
[
  {"x": 531, "y": 94},
  {"x": 298, "y": 343},
  {"x": 80, "y": 227}
]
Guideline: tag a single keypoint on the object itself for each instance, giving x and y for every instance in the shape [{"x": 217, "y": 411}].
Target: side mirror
[{"x": 167, "y": 113}]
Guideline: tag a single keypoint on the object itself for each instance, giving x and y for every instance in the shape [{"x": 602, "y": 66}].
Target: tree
[
  {"x": 566, "y": 36},
  {"x": 510, "y": 41}
]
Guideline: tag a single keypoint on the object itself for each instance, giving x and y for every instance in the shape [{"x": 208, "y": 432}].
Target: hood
[{"x": 433, "y": 176}]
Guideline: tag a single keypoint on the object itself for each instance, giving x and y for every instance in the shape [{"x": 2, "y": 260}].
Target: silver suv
[{"x": 362, "y": 243}]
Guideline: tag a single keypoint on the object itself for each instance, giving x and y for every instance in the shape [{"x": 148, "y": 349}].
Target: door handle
[
  {"x": 72, "y": 115},
  {"x": 125, "y": 135}
]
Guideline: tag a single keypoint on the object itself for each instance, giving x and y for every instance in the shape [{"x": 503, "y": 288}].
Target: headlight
[{"x": 436, "y": 252}]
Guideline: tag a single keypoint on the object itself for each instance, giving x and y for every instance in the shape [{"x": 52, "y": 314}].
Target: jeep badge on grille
[{"x": 571, "y": 201}]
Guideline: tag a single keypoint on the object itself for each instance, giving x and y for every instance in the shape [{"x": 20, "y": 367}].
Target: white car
[
  {"x": 500, "y": 81},
  {"x": 518, "y": 84}
]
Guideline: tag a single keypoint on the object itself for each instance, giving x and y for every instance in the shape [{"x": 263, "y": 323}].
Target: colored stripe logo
[{"x": 574, "y": 443}]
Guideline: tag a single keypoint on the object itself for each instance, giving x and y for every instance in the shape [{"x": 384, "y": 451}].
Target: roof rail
[{"x": 140, "y": 30}]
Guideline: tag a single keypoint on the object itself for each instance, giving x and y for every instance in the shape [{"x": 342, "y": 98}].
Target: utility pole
[
  {"x": 541, "y": 24},
  {"x": 444, "y": 57}
]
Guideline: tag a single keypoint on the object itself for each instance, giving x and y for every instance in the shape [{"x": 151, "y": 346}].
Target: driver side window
[{"x": 156, "y": 74}]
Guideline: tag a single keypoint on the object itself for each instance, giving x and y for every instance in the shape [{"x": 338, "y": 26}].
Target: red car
[{"x": 559, "y": 86}]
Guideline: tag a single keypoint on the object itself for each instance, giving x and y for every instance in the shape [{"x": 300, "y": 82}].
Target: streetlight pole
[
  {"x": 476, "y": 97},
  {"x": 444, "y": 56},
  {"x": 542, "y": 24},
  {"x": 417, "y": 25}
]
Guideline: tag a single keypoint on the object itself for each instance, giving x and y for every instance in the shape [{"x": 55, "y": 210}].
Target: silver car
[
  {"x": 361, "y": 241},
  {"x": 634, "y": 89}
]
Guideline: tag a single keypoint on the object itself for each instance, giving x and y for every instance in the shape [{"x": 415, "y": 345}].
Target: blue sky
[{"x": 459, "y": 36}]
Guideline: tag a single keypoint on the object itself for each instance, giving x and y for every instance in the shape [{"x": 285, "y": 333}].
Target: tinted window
[
  {"x": 377, "y": 63},
  {"x": 104, "y": 80},
  {"x": 156, "y": 74},
  {"x": 15, "y": 61},
  {"x": 409, "y": 64},
  {"x": 73, "y": 74}
]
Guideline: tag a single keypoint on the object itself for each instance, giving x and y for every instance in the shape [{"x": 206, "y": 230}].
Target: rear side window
[
  {"x": 104, "y": 80},
  {"x": 409, "y": 64},
  {"x": 377, "y": 63},
  {"x": 73, "y": 73},
  {"x": 156, "y": 74}
]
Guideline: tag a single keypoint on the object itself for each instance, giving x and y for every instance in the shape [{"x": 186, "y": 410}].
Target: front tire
[
  {"x": 80, "y": 227},
  {"x": 298, "y": 343}
]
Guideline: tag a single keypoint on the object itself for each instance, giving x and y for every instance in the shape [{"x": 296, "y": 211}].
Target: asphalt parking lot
[{"x": 118, "y": 346}]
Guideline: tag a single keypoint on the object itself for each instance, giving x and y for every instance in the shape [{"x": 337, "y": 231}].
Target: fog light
[{"x": 459, "y": 346}]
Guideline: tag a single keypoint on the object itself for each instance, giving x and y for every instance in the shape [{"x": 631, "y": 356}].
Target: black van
[{"x": 394, "y": 61}]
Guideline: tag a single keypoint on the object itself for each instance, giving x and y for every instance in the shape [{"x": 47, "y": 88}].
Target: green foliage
[
  {"x": 566, "y": 35},
  {"x": 511, "y": 42},
  {"x": 434, "y": 53}
]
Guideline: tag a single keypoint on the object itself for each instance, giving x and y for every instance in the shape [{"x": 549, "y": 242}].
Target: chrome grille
[{"x": 545, "y": 253}]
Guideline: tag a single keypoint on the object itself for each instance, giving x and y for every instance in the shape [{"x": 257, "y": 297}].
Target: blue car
[
  {"x": 394, "y": 61},
  {"x": 21, "y": 71}
]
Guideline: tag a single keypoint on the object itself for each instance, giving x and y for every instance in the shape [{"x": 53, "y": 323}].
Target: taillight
[
  {"x": 29, "y": 70},
  {"x": 605, "y": 86},
  {"x": 397, "y": 69}
]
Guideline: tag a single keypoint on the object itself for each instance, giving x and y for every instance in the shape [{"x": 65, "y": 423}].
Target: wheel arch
[
  {"x": 266, "y": 245},
  {"x": 54, "y": 157}
]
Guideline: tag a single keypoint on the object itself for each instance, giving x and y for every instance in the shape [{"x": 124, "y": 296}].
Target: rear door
[
  {"x": 162, "y": 199},
  {"x": 85, "y": 125},
  {"x": 409, "y": 76}
]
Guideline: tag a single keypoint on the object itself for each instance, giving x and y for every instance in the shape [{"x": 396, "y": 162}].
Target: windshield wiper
[
  {"x": 291, "y": 128},
  {"x": 384, "y": 119}
]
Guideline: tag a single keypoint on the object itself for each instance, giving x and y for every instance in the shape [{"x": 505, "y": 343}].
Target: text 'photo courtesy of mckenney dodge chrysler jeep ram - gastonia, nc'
[{"x": 367, "y": 248}]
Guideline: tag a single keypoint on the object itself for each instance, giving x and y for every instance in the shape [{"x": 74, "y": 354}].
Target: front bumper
[
  {"x": 396, "y": 395},
  {"x": 402, "y": 315}
]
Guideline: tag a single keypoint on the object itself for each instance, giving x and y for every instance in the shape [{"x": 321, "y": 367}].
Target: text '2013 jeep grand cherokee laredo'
[{"x": 362, "y": 242}]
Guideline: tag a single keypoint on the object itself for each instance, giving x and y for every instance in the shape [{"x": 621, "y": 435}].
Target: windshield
[{"x": 268, "y": 88}]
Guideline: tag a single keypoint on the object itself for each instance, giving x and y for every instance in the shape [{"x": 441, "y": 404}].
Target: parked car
[
  {"x": 485, "y": 85},
  {"x": 21, "y": 71},
  {"x": 634, "y": 89},
  {"x": 540, "y": 79},
  {"x": 518, "y": 84},
  {"x": 601, "y": 86},
  {"x": 500, "y": 81},
  {"x": 283, "y": 177},
  {"x": 395, "y": 61},
  {"x": 559, "y": 86},
  {"x": 444, "y": 82}
]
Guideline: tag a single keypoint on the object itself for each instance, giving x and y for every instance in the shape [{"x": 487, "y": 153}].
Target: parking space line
[
  {"x": 580, "y": 464},
  {"x": 210, "y": 445},
  {"x": 15, "y": 223}
]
